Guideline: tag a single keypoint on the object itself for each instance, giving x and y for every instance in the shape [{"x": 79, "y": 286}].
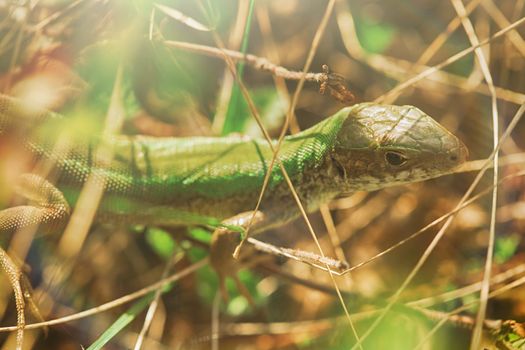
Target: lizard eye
[{"x": 395, "y": 159}]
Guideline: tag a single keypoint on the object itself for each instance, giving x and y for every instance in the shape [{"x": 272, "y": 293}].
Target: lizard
[{"x": 215, "y": 181}]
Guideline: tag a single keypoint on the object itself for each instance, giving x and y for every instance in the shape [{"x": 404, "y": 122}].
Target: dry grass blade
[
  {"x": 320, "y": 324},
  {"x": 275, "y": 149},
  {"x": 117, "y": 302},
  {"x": 511, "y": 159},
  {"x": 215, "y": 321},
  {"x": 57, "y": 15},
  {"x": 154, "y": 304},
  {"x": 435, "y": 45},
  {"x": 433, "y": 223},
  {"x": 453, "y": 59},
  {"x": 398, "y": 68},
  {"x": 498, "y": 17},
  {"x": 19, "y": 29},
  {"x": 472, "y": 288},
  {"x": 82, "y": 217},
  {"x": 448, "y": 317},
  {"x": 469, "y": 29},
  {"x": 181, "y": 17}
]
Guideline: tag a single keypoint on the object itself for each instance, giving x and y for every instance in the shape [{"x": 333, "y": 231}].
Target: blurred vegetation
[{"x": 66, "y": 55}]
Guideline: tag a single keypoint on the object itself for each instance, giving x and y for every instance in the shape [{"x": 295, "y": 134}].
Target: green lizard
[{"x": 209, "y": 181}]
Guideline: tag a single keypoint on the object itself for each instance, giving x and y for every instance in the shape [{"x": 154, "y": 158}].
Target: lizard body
[
  {"x": 168, "y": 181},
  {"x": 212, "y": 181}
]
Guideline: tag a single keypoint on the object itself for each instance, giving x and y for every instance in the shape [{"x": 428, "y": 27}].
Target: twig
[{"x": 334, "y": 82}]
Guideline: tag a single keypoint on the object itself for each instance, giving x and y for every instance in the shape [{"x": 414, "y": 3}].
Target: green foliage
[
  {"x": 271, "y": 108},
  {"x": 200, "y": 234},
  {"x": 396, "y": 332},
  {"x": 161, "y": 242},
  {"x": 207, "y": 281},
  {"x": 208, "y": 286},
  {"x": 250, "y": 281},
  {"x": 375, "y": 37},
  {"x": 463, "y": 66},
  {"x": 472, "y": 300},
  {"x": 506, "y": 247},
  {"x": 98, "y": 68}
]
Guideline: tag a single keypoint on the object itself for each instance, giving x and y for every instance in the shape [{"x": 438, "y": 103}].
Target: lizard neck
[
  {"x": 306, "y": 153},
  {"x": 307, "y": 157}
]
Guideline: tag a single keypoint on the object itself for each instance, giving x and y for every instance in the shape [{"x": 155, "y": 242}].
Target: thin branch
[{"x": 333, "y": 81}]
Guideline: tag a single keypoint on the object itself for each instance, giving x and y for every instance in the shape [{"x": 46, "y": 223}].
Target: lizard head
[{"x": 383, "y": 145}]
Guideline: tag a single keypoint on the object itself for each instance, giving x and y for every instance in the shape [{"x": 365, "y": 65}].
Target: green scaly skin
[{"x": 199, "y": 180}]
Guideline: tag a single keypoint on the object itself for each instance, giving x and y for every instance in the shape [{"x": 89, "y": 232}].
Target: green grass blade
[
  {"x": 234, "y": 121},
  {"x": 124, "y": 320}
]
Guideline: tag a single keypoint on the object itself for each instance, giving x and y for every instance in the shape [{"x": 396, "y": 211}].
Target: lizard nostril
[{"x": 460, "y": 154}]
